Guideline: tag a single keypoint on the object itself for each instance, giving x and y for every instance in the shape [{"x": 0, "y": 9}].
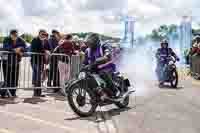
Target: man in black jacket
[
  {"x": 39, "y": 46},
  {"x": 53, "y": 70},
  {"x": 16, "y": 47}
]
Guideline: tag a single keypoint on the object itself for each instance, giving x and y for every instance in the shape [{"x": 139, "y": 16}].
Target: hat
[
  {"x": 42, "y": 30},
  {"x": 13, "y": 31},
  {"x": 55, "y": 31}
]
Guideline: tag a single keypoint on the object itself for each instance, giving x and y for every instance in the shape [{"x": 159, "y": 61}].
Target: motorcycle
[
  {"x": 170, "y": 73},
  {"x": 87, "y": 90}
]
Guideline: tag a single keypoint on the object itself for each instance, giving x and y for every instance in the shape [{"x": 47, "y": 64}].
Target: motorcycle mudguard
[{"x": 70, "y": 84}]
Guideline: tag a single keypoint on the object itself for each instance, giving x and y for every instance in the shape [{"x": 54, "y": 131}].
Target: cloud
[
  {"x": 101, "y": 16},
  {"x": 65, "y": 15},
  {"x": 152, "y": 13}
]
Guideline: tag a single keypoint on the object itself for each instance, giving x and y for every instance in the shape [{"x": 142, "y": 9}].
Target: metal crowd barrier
[
  {"x": 195, "y": 66},
  {"x": 35, "y": 70}
]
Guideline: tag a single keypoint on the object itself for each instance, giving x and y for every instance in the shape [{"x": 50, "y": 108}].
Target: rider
[
  {"x": 105, "y": 67},
  {"x": 161, "y": 55}
]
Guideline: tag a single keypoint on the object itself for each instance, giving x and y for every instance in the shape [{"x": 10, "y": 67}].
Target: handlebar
[{"x": 169, "y": 58}]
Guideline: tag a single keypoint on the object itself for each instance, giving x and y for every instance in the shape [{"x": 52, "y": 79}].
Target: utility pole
[{"x": 128, "y": 34}]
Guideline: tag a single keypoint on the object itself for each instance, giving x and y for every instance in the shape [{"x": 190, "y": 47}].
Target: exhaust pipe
[{"x": 121, "y": 98}]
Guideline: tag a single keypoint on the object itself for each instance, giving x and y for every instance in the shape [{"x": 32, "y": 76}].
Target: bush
[{"x": 1, "y": 39}]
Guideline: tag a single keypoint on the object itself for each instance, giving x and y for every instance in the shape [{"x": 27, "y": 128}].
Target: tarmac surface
[{"x": 157, "y": 110}]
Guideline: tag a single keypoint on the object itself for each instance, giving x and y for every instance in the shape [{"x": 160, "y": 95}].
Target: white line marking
[
  {"x": 2, "y": 130},
  {"x": 48, "y": 123}
]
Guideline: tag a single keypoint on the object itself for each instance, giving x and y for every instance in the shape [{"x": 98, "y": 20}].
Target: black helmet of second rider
[
  {"x": 93, "y": 40},
  {"x": 164, "y": 43}
]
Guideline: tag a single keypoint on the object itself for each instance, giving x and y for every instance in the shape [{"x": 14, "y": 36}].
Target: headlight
[
  {"x": 171, "y": 63},
  {"x": 82, "y": 75}
]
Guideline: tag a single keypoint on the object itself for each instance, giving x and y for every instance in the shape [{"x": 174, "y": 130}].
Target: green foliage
[
  {"x": 103, "y": 37},
  {"x": 27, "y": 37},
  {"x": 80, "y": 35},
  {"x": 163, "y": 32},
  {"x": 1, "y": 39}
]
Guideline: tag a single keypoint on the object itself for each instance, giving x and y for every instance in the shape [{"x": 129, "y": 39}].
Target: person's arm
[
  {"x": 6, "y": 45},
  {"x": 33, "y": 46},
  {"x": 174, "y": 55},
  {"x": 86, "y": 58},
  {"x": 22, "y": 45},
  {"x": 106, "y": 58}
]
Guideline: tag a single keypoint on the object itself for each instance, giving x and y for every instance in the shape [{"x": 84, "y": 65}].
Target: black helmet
[
  {"x": 197, "y": 39},
  {"x": 164, "y": 42},
  {"x": 93, "y": 40}
]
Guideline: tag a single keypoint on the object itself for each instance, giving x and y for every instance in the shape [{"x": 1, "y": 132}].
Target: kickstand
[{"x": 99, "y": 115}]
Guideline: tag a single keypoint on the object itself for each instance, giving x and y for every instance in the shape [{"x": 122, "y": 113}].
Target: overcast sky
[{"x": 101, "y": 16}]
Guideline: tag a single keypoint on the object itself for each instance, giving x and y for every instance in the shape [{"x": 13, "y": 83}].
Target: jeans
[
  {"x": 160, "y": 72},
  {"x": 36, "y": 78},
  {"x": 11, "y": 76},
  {"x": 53, "y": 75}
]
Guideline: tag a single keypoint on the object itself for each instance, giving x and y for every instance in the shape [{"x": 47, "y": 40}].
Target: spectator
[
  {"x": 66, "y": 48},
  {"x": 194, "y": 49},
  {"x": 76, "y": 44},
  {"x": 16, "y": 46},
  {"x": 39, "y": 46},
  {"x": 53, "y": 70},
  {"x": 83, "y": 47}
]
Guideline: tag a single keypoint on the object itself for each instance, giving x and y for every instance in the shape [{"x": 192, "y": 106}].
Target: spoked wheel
[
  {"x": 174, "y": 81},
  {"x": 82, "y": 100}
]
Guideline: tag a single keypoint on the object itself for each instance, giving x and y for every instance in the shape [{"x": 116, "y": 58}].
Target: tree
[
  {"x": 163, "y": 32},
  {"x": 1, "y": 39},
  {"x": 27, "y": 37}
]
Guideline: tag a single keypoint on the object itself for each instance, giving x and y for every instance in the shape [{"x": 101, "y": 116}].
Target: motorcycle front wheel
[
  {"x": 79, "y": 97},
  {"x": 174, "y": 80}
]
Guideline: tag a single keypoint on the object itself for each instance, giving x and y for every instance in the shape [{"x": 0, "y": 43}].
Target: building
[
  {"x": 185, "y": 33},
  {"x": 127, "y": 36}
]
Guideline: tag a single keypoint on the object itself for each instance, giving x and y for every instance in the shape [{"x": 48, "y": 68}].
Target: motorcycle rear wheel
[{"x": 123, "y": 104}]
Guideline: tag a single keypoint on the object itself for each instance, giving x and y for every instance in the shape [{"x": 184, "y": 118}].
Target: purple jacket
[{"x": 92, "y": 56}]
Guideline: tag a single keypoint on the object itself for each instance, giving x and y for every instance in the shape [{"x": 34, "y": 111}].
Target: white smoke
[{"x": 139, "y": 66}]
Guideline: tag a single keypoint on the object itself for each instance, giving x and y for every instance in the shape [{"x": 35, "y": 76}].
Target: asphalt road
[{"x": 153, "y": 110}]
